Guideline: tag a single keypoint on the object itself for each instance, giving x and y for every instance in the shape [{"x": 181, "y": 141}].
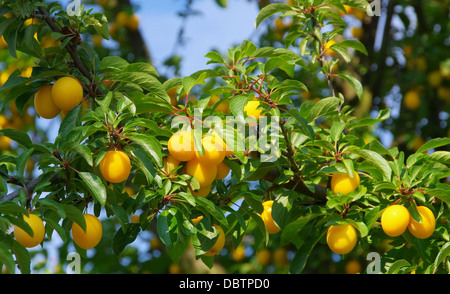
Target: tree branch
[
  {"x": 30, "y": 185},
  {"x": 70, "y": 47}
]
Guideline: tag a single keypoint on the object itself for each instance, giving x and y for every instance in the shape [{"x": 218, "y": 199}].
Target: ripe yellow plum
[
  {"x": 425, "y": 228},
  {"x": 67, "y": 93},
  {"x": 91, "y": 237},
  {"x": 38, "y": 228},
  {"x": 181, "y": 146},
  {"x": 204, "y": 173},
  {"x": 341, "y": 239},
  {"x": 44, "y": 104},
  {"x": 267, "y": 218},
  {"x": 220, "y": 242},
  {"x": 395, "y": 220},
  {"x": 115, "y": 166},
  {"x": 343, "y": 183}
]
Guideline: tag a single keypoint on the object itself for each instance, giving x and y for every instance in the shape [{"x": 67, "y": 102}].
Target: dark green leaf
[
  {"x": 20, "y": 137},
  {"x": 150, "y": 145},
  {"x": 7, "y": 259},
  {"x": 95, "y": 185}
]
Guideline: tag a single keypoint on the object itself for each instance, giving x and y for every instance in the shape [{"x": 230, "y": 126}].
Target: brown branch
[
  {"x": 28, "y": 186},
  {"x": 70, "y": 47}
]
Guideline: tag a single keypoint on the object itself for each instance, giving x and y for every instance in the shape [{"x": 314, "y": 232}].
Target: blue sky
[{"x": 214, "y": 28}]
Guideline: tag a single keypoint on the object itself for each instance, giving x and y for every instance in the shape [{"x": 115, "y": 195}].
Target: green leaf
[
  {"x": 174, "y": 232},
  {"x": 377, "y": 161},
  {"x": 141, "y": 67},
  {"x": 82, "y": 150},
  {"x": 150, "y": 145},
  {"x": 215, "y": 57},
  {"x": 270, "y": 10},
  {"x": 337, "y": 130},
  {"x": 442, "y": 192},
  {"x": 7, "y": 259},
  {"x": 443, "y": 253},
  {"x": 306, "y": 128},
  {"x": 397, "y": 266},
  {"x": 237, "y": 105},
  {"x": 124, "y": 237},
  {"x": 290, "y": 231},
  {"x": 355, "y": 44},
  {"x": 54, "y": 225},
  {"x": 20, "y": 137},
  {"x": 23, "y": 258},
  {"x": 356, "y": 84},
  {"x": 12, "y": 208},
  {"x": 323, "y": 108},
  {"x": 53, "y": 205},
  {"x": 368, "y": 121},
  {"x": 433, "y": 143},
  {"x": 143, "y": 80},
  {"x": 258, "y": 172},
  {"x": 440, "y": 156},
  {"x": 205, "y": 237},
  {"x": 254, "y": 201},
  {"x": 70, "y": 121},
  {"x": 75, "y": 215},
  {"x": 111, "y": 64},
  {"x": 212, "y": 209},
  {"x": 149, "y": 103},
  {"x": 95, "y": 185},
  {"x": 144, "y": 163},
  {"x": 301, "y": 257},
  {"x": 166, "y": 225},
  {"x": 222, "y": 3},
  {"x": 190, "y": 81}
]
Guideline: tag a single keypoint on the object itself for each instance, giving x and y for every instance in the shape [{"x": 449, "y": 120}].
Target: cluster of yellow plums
[
  {"x": 62, "y": 96},
  {"x": 396, "y": 219},
  {"x": 85, "y": 239},
  {"x": 341, "y": 239},
  {"x": 205, "y": 168}
]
